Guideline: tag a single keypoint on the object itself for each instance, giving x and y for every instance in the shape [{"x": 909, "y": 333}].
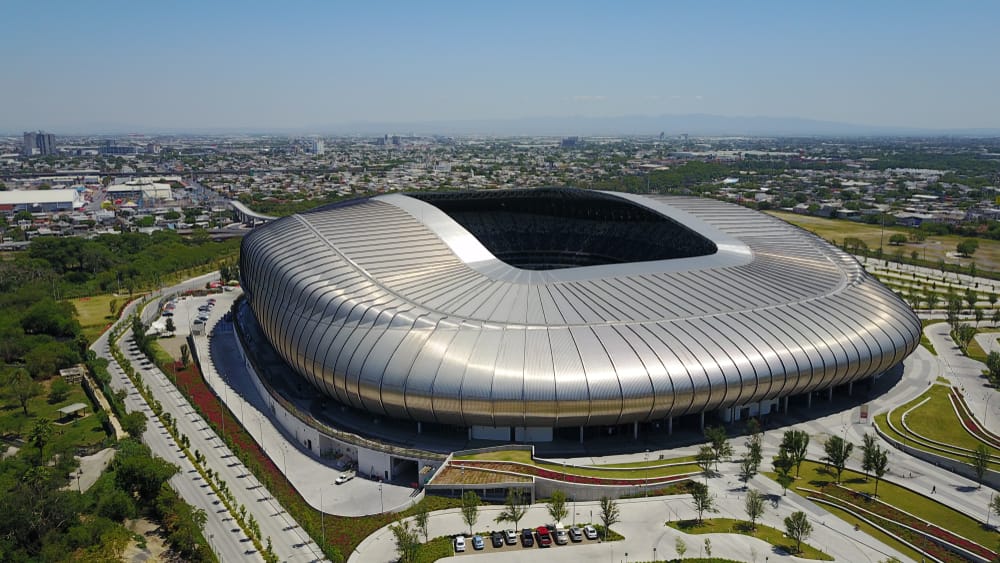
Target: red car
[{"x": 544, "y": 538}]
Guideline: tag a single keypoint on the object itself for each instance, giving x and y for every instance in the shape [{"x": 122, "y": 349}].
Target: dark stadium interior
[{"x": 551, "y": 228}]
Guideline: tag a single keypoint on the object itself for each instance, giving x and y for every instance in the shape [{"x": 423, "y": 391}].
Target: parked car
[
  {"x": 496, "y": 538},
  {"x": 344, "y": 477},
  {"x": 575, "y": 534},
  {"x": 562, "y": 538},
  {"x": 527, "y": 537},
  {"x": 477, "y": 543},
  {"x": 510, "y": 536},
  {"x": 544, "y": 539},
  {"x": 459, "y": 544},
  {"x": 590, "y": 532}
]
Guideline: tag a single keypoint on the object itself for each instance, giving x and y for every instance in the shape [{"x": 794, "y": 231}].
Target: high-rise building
[
  {"x": 316, "y": 146},
  {"x": 38, "y": 143}
]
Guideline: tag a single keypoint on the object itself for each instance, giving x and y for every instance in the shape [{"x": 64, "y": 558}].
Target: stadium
[{"x": 519, "y": 313}]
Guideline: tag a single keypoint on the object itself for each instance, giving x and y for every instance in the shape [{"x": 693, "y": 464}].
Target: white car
[
  {"x": 344, "y": 477},
  {"x": 459, "y": 544},
  {"x": 590, "y": 532}
]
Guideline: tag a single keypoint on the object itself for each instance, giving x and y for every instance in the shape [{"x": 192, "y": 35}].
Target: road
[{"x": 289, "y": 542}]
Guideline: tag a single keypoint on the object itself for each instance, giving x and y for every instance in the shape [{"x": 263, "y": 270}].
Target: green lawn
[
  {"x": 875, "y": 532},
  {"x": 621, "y": 471},
  {"x": 94, "y": 313},
  {"x": 437, "y": 548},
  {"x": 771, "y": 535},
  {"x": 936, "y": 420},
  {"x": 83, "y": 432},
  {"x": 814, "y": 475}
]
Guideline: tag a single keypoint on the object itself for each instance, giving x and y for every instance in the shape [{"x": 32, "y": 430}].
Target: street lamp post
[
  {"x": 322, "y": 517},
  {"x": 381, "y": 500}
]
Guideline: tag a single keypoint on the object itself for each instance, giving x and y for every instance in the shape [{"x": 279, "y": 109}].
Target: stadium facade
[{"x": 516, "y": 312}]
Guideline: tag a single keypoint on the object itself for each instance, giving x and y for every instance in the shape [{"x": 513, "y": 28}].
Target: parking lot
[{"x": 520, "y": 543}]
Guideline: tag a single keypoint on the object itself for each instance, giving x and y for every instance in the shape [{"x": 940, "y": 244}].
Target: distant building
[
  {"x": 110, "y": 147},
  {"x": 316, "y": 146},
  {"x": 38, "y": 143},
  {"x": 569, "y": 142},
  {"x": 40, "y": 201}
]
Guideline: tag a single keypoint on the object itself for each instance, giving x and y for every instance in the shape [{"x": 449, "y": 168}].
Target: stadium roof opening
[{"x": 552, "y": 228}]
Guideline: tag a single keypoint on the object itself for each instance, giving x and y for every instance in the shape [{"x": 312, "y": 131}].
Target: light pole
[
  {"x": 654, "y": 554},
  {"x": 211, "y": 542},
  {"x": 284, "y": 459},
  {"x": 322, "y": 518},
  {"x": 645, "y": 484},
  {"x": 986, "y": 409},
  {"x": 380, "y": 499},
  {"x": 79, "y": 487}
]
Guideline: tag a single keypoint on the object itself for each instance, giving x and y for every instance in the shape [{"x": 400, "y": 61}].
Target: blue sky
[{"x": 258, "y": 65}]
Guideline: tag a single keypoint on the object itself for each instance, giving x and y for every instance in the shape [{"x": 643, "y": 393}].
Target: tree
[
  {"x": 967, "y": 247},
  {"x": 748, "y": 468},
  {"x": 721, "y": 447},
  {"x": 420, "y": 518},
  {"x": 702, "y": 500},
  {"x": 407, "y": 541},
  {"x": 868, "y": 449},
  {"x": 185, "y": 355},
  {"x": 971, "y": 297},
  {"x": 610, "y": 514},
  {"x": 705, "y": 458},
  {"x": 753, "y": 504},
  {"x": 797, "y": 444},
  {"x": 470, "y": 509},
  {"x": 135, "y": 424},
  {"x": 22, "y": 388},
  {"x": 681, "y": 548},
  {"x": 954, "y": 309},
  {"x": 979, "y": 314},
  {"x": 962, "y": 335},
  {"x": 880, "y": 464},
  {"x": 897, "y": 239},
  {"x": 514, "y": 508},
  {"x": 59, "y": 390},
  {"x": 932, "y": 299},
  {"x": 995, "y": 504},
  {"x": 980, "y": 460},
  {"x": 708, "y": 547},
  {"x": 40, "y": 434},
  {"x": 798, "y": 528},
  {"x": 783, "y": 464},
  {"x": 996, "y": 317},
  {"x": 837, "y": 451},
  {"x": 557, "y": 506}
]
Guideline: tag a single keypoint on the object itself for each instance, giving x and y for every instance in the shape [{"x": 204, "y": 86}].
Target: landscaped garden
[
  {"x": 521, "y": 461},
  {"x": 768, "y": 534},
  {"x": 893, "y": 509},
  {"x": 932, "y": 418}
]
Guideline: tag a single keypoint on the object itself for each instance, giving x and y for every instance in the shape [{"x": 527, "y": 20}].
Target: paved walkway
[{"x": 312, "y": 478}]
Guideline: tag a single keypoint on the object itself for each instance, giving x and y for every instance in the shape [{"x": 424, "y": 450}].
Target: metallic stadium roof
[{"x": 389, "y": 305}]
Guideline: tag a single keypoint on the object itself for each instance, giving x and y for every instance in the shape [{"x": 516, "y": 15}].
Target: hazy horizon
[{"x": 183, "y": 66}]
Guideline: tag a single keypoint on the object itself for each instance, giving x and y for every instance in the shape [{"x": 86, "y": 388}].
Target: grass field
[
  {"x": 936, "y": 419},
  {"x": 94, "y": 313},
  {"x": 933, "y": 249},
  {"x": 83, "y": 432},
  {"x": 771, "y": 535}
]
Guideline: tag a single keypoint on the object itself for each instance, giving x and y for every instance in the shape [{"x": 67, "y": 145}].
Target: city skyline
[{"x": 891, "y": 67}]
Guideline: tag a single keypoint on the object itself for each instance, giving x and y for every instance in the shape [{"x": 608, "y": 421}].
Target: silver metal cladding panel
[{"x": 390, "y": 306}]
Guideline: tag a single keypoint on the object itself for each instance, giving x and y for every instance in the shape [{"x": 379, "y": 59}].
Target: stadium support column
[
  {"x": 420, "y": 427},
  {"x": 809, "y": 400},
  {"x": 850, "y": 388},
  {"x": 702, "y": 423},
  {"x": 829, "y": 395},
  {"x": 635, "y": 430},
  {"x": 581, "y": 434},
  {"x": 670, "y": 426}
]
